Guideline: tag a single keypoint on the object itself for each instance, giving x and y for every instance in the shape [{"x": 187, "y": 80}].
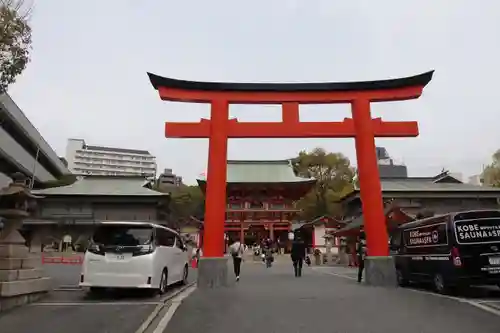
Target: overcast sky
[{"x": 87, "y": 78}]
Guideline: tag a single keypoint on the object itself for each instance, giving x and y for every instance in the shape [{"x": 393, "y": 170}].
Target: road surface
[
  {"x": 76, "y": 312},
  {"x": 273, "y": 300}
]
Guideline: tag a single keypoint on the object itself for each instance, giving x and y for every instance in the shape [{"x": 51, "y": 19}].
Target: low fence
[{"x": 62, "y": 259}]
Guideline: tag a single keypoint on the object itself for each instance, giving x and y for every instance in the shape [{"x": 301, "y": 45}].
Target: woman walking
[{"x": 236, "y": 251}]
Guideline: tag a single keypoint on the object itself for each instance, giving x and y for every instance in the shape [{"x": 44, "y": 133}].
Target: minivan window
[
  {"x": 179, "y": 243},
  {"x": 478, "y": 231},
  {"x": 123, "y": 235},
  {"x": 165, "y": 237}
]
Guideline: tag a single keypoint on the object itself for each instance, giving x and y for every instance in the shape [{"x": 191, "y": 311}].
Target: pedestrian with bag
[
  {"x": 236, "y": 250},
  {"x": 298, "y": 254}
]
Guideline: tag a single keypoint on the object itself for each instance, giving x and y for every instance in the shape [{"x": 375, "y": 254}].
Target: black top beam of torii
[{"x": 410, "y": 81}]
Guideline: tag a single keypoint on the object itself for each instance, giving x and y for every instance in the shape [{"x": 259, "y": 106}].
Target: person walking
[
  {"x": 361, "y": 258},
  {"x": 298, "y": 254},
  {"x": 268, "y": 253},
  {"x": 236, "y": 251}
]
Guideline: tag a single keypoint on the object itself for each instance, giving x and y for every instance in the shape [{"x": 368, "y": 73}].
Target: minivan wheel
[
  {"x": 163, "y": 282},
  {"x": 185, "y": 275},
  {"x": 439, "y": 284},
  {"x": 402, "y": 280}
]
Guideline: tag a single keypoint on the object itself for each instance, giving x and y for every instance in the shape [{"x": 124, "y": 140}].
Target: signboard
[
  {"x": 478, "y": 231},
  {"x": 425, "y": 236}
]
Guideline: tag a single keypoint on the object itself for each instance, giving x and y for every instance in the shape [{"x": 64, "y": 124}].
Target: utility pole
[{"x": 32, "y": 180}]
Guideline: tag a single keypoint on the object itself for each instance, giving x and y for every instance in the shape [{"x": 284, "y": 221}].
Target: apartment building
[
  {"x": 84, "y": 159},
  {"x": 168, "y": 179},
  {"x": 476, "y": 180}
]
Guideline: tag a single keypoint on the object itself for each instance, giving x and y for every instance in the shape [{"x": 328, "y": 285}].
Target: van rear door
[
  {"x": 478, "y": 238},
  {"x": 119, "y": 244}
]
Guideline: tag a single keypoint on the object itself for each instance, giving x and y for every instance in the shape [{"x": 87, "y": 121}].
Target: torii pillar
[{"x": 362, "y": 127}]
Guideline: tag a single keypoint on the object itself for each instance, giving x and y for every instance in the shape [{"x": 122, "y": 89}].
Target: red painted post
[
  {"x": 215, "y": 205},
  {"x": 369, "y": 179}
]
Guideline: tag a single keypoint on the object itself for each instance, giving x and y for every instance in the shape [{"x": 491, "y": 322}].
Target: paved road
[
  {"x": 273, "y": 300},
  {"x": 488, "y": 296},
  {"x": 76, "y": 312},
  {"x": 63, "y": 275}
]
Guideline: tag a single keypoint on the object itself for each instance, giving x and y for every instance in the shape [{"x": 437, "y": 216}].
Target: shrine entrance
[
  {"x": 362, "y": 127},
  {"x": 255, "y": 234}
]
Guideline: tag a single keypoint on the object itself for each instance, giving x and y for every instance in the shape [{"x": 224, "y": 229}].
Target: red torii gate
[{"x": 290, "y": 95}]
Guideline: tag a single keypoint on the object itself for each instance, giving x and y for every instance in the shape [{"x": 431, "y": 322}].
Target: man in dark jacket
[
  {"x": 298, "y": 254},
  {"x": 361, "y": 258}
]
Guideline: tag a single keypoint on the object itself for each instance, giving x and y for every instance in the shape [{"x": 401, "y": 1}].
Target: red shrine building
[{"x": 261, "y": 198}]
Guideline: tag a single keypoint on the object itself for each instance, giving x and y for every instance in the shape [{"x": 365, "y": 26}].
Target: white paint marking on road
[
  {"x": 477, "y": 304},
  {"x": 176, "y": 302},
  {"x": 163, "y": 302},
  {"x": 488, "y": 301},
  {"x": 91, "y": 303}
]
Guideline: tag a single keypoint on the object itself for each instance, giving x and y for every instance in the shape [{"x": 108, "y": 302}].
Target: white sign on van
[
  {"x": 429, "y": 235},
  {"x": 478, "y": 231}
]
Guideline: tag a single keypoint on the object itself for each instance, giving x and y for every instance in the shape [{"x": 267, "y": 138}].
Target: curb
[{"x": 164, "y": 302}]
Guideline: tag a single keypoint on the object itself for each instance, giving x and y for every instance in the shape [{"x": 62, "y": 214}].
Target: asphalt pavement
[
  {"x": 273, "y": 300},
  {"x": 478, "y": 296},
  {"x": 63, "y": 275},
  {"x": 76, "y": 311}
]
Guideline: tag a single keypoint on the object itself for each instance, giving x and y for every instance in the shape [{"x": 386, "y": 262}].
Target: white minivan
[{"x": 134, "y": 255}]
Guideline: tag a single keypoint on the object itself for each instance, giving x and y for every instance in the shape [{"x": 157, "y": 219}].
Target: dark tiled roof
[
  {"x": 359, "y": 221},
  {"x": 424, "y": 185},
  {"x": 428, "y": 185},
  {"x": 104, "y": 186}
]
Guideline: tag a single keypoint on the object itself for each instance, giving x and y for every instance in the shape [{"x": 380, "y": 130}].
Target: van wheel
[
  {"x": 185, "y": 275},
  {"x": 163, "y": 282},
  {"x": 439, "y": 284},
  {"x": 402, "y": 280}
]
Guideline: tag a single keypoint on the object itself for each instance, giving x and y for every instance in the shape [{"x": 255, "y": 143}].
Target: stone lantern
[
  {"x": 329, "y": 239},
  {"x": 21, "y": 279}
]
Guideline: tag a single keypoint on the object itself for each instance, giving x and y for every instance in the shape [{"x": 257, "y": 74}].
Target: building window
[
  {"x": 277, "y": 206},
  {"x": 256, "y": 205}
]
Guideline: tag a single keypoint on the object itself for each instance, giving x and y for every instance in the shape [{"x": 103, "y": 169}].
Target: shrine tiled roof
[
  {"x": 275, "y": 171},
  {"x": 103, "y": 186},
  {"x": 428, "y": 185}
]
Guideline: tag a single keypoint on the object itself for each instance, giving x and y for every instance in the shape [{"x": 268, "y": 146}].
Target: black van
[{"x": 452, "y": 250}]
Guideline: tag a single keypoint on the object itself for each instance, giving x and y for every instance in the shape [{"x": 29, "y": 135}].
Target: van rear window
[
  {"x": 123, "y": 235},
  {"x": 478, "y": 231}
]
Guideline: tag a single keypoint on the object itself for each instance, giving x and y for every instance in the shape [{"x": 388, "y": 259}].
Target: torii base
[
  {"x": 380, "y": 271},
  {"x": 213, "y": 273}
]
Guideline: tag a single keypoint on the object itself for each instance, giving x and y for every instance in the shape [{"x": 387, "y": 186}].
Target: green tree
[
  {"x": 491, "y": 174},
  {"x": 186, "y": 201},
  {"x": 15, "y": 40},
  {"x": 334, "y": 175}
]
